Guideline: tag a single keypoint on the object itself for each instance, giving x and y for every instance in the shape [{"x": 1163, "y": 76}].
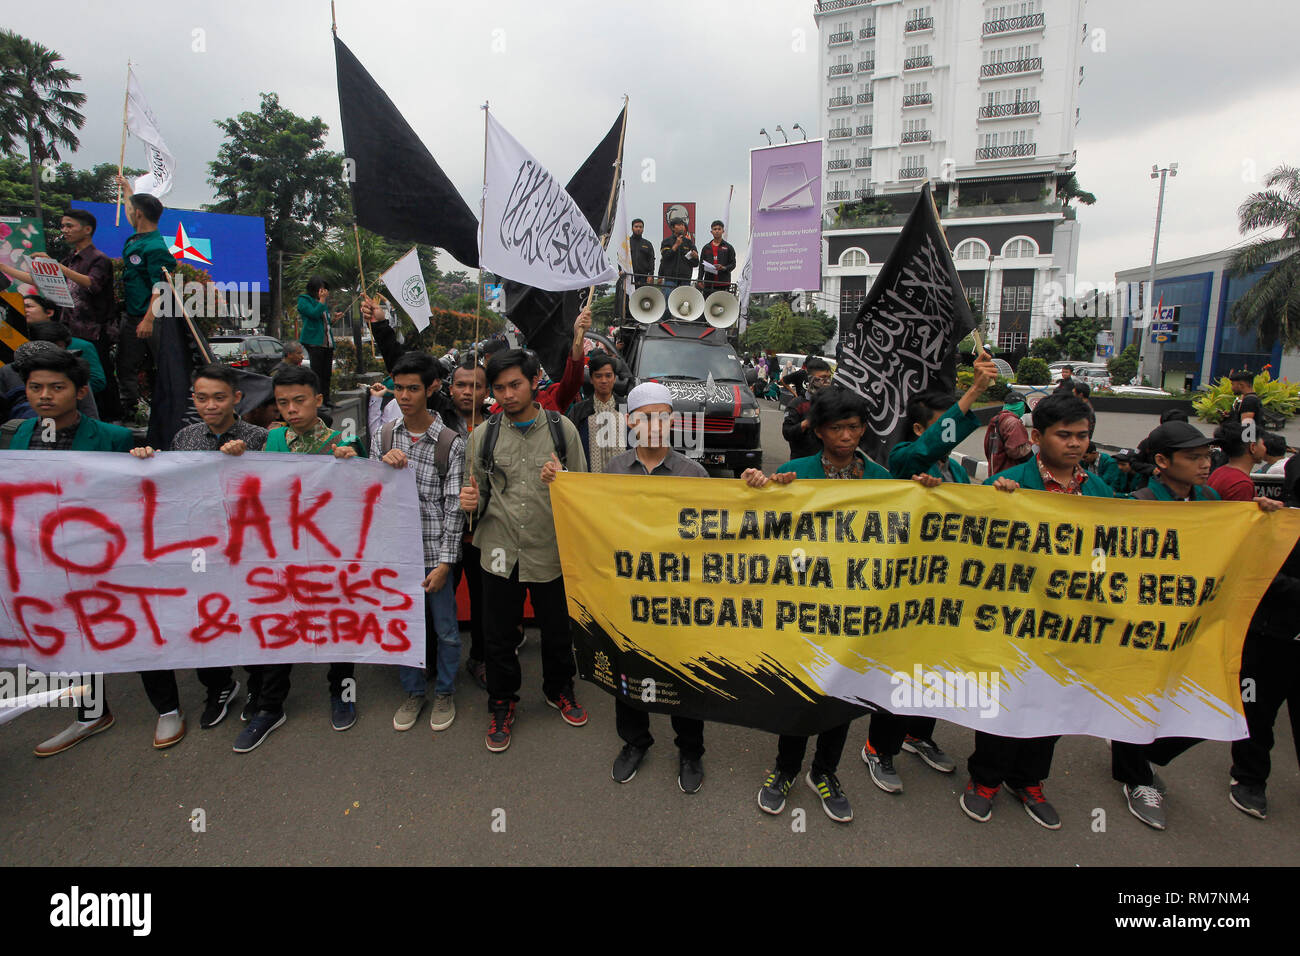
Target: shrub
[
  {"x": 1033, "y": 371},
  {"x": 1278, "y": 398},
  {"x": 1124, "y": 366},
  {"x": 999, "y": 390}
]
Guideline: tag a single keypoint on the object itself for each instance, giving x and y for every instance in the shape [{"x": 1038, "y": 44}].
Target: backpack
[
  {"x": 7, "y": 432},
  {"x": 492, "y": 428},
  {"x": 441, "y": 451}
]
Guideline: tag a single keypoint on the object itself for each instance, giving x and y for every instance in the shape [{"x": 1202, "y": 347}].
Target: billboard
[
  {"x": 229, "y": 248},
  {"x": 785, "y": 216},
  {"x": 20, "y": 236},
  {"x": 679, "y": 210}
]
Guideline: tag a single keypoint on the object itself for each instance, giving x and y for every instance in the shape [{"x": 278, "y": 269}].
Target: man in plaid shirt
[{"x": 437, "y": 453}]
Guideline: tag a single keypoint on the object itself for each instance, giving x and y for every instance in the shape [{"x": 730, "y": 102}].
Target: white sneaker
[
  {"x": 73, "y": 734},
  {"x": 170, "y": 730}
]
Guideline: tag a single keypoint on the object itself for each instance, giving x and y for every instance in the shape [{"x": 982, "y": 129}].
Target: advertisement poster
[
  {"x": 785, "y": 188},
  {"x": 680, "y": 210}
]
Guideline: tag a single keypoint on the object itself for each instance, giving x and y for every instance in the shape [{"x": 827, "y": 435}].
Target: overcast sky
[{"x": 1205, "y": 84}]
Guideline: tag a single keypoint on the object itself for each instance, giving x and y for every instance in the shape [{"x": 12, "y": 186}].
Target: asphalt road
[{"x": 372, "y": 796}]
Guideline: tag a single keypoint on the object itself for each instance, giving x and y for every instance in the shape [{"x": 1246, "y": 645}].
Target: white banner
[
  {"x": 533, "y": 232},
  {"x": 158, "y": 181},
  {"x": 49, "y": 281},
  {"x": 190, "y": 559},
  {"x": 405, "y": 280}
]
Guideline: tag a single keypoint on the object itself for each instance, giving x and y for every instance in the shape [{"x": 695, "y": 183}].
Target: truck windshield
[{"x": 674, "y": 358}]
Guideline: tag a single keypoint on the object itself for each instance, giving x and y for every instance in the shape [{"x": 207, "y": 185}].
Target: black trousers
[
  {"x": 1274, "y": 665},
  {"x": 321, "y": 360},
  {"x": 161, "y": 689},
  {"x": 469, "y": 564},
  {"x": 503, "y": 612},
  {"x": 268, "y": 684},
  {"x": 634, "y": 727},
  {"x": 790, "y": 751},
  {"x": 1131, "y": 763},
  {"x": 887, "y": 731},
  {"x": 108, "y": 400},
  {"x": 134, "y": 355},
  {"x": 1016, "y": 761}
]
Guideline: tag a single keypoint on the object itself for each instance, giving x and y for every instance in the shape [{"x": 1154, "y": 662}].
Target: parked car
[
  {"x": 1141, "y": 391},
  {"x": 261, "y": 353}
]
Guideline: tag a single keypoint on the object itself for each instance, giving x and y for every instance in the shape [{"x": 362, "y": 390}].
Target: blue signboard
[{"x": 228, "y": 248}]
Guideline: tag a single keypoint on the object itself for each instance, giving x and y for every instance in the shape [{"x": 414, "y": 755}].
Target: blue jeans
[{"x": 440, "y": 619}]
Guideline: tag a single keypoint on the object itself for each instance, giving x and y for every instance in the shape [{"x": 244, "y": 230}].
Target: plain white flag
[
  {"x": 158, "y": 181},
  {"x": 533, "y": 232},
  {"x": 405, "y": 281},
  {"x": 619, "y": 240}
]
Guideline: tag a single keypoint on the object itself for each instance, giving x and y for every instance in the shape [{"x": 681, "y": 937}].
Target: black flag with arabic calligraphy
[{"x": 904, "y": 339}]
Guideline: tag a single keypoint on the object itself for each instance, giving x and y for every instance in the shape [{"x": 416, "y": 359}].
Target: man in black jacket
[
  {"x": 718, "y": 255},
  {"x": 642, "y": 252},
  {"x": 797, "y": 427},
  {"x": 678, "y": 256}
]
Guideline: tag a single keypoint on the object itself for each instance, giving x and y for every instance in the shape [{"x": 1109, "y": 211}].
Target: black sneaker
[
  {"x": 250, "y": 707},
  {"x": 827, "y": 786},
  {"x": 1249, "y": 798},
  {"x": 1036, "y": 805},
  {"x": 343, "y": 713},
  {"x": 258, "y": 729},
  {"x": 690, "y": 774},
  {"x": 214, "y": 712},
  {"x": 977, "y": 801},
  {"x": 478, "y": 671},
  {"x": 626, "y": 763},
  {"x": 771, "y": 796},
  {"x": 503, "y": 719}
]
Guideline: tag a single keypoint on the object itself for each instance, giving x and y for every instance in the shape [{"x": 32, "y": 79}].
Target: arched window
[
  {"x": 971, "y": 249},
  {"x": 1020, "y": 247},
  {"x": 853, "y": 257}
]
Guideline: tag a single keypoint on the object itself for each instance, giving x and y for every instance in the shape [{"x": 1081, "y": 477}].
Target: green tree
[
  {"x": 274, "y": 164},
  {"x": 62, "y": 185},
  {"x": 783, "y": 331},
  {"x": 1123, "y": 367},
  {"x": 1045, "y": 349},
  {"x": 1271, "y": 307},
  {"x": 36, "y": 105},
  {"x": 1069, "y": 188},
  {"x": 1077, "y": 339},
  {"x": 1033, "y": 371}
]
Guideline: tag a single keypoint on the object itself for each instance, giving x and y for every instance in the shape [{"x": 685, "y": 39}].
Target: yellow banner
[{"x": 792, "y": 608}]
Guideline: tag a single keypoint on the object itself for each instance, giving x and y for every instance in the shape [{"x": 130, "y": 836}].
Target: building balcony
[
  {"x": 830, "y": 6},
  {"x": 912, "y": 172},
  {"x": 841, "y": 69},
  {"x": 864, "y": 130},
  {"x": 842, "y": 132},
  {"x": 1001, "y": 110},
  {"x": 867, "y": 33},
  {"x": 867, "y": 66},
  {"x": 838, "y": 195},
  {"x": 1010, "y": 151},
  {"x": 918, "y": 25},
  {"x": 918, "y": 99},
  {"x": 1033, "y": 64},
  {"x": 915, "y": 136},
  {"x": 835, "y": 164},
  {"x": 862, "y": 162},
  {"x": 1033, "y": 21},
  {"x": 839, "y": 102},
  {"x": 839, "y": 39},
  {"x": 865, "y": 99},
  {"x": 863, "y": 192},
  {"x": 921, "y": 62},
  {"x": 983, "y": 210}
]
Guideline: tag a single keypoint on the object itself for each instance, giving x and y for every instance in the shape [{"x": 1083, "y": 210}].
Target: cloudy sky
[{"x": 1205, "y": 84}]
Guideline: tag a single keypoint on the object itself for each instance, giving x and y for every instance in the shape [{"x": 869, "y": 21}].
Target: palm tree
[
  {"x": 1271, "y": 307},
  {"x": 36, "y": 104}
]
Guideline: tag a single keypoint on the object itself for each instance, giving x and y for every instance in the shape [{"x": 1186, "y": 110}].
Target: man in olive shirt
[
  {"x": 515, "y": 534},
  {"x": 144, "y": 257}
]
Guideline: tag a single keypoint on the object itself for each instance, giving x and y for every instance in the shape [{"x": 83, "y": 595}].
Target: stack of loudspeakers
[{"x": 686, "y": 304}]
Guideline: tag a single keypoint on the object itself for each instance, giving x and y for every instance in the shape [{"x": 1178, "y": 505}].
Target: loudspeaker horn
[
  {"x": 685, "y": 303},
  {"x": 722, "y": 309},
  {"x": 646, "y": 304}
]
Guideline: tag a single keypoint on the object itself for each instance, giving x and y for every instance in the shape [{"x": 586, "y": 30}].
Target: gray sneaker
[
  {"x": 444, "y": 712},
  {"x": 930, "y": 752},
  {"x": 409, "y": 712},
  {"x": 881, "y": 767},
  {"x": 1146, "y": 804}
]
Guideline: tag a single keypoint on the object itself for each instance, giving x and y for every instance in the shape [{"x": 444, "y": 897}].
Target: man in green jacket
[
  {"x": 839, "y": 419},
  {"x": 55, "y": 380},
  {"x": 145, "y": 256},
  {"x": 937, "y": 426},
  {"x": 1062, "y": 430}
]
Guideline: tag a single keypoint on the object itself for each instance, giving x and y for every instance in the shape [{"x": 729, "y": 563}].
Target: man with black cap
[
  {"x": 1181, "y": 454},
  {"x": 649, "y": 415}
]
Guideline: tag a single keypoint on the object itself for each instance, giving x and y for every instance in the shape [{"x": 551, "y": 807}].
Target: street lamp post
[
  {"x": 1157, "y": 172},
  {"x": 985, "y": 303}
]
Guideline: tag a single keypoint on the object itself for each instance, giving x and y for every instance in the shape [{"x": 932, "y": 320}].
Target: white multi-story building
[{"x": 978, "y": 97}]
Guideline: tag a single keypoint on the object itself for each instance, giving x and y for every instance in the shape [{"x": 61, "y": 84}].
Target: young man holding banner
[
  {"x": 216, "y": 396},
  {"x": 937, "y": 426},
  {"x": 1181, "y": 453},
  {"x": 839, "y": 419},
  {"x": 298, "y": 398},
  {"x": 649, "y": 413},
  {"x": 1062, "y": 430}
]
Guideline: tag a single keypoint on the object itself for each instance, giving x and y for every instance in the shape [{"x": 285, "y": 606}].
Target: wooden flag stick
[
  {"x": 121, "y": 155},
  {"x": 609, "y": 206},
  {"x": 482, "y": 215}
]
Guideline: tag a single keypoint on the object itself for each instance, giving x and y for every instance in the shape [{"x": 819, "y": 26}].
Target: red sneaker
[
  {"x": 569, "y": 709},
  {"x": 503, "y": 718}
]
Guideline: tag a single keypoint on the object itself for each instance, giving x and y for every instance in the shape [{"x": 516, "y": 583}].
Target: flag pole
[
  {"x": 613, "y": 191},
  {"x": 482, "y": 215},
  {"x": 121, "y": 154}
]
